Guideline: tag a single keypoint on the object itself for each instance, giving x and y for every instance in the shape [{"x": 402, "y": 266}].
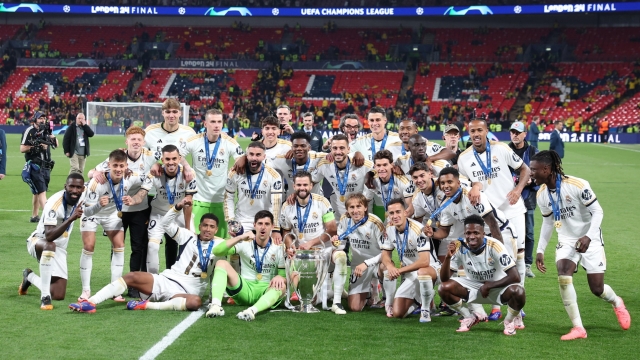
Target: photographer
[
  {"x": 284, "y": 117},
  {"x": 76, "y": 143},
  {"x": 36, "y": 145}
]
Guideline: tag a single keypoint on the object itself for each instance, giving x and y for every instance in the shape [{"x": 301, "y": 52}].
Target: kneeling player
[
  {"x": 179, "y": 288},
  {"x": 491, "y": 277},
  {"x": 262, "y": 283},
  {"x": 48, "y": 243},
  {"x": 364, "y": 233},
  {"x": 418, "y": 266}
]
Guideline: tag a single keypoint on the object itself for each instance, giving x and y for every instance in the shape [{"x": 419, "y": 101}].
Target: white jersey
[
  {"x": 178, "y": 187},
  {"x": 211, "y": 188},
  {"x": 272, "y": 263},
  {"x": 267, "y": 197},
  {"x": 577, "y": 199},
  {"x": 355, "y": 180},
  {"x": 157, "y": 137},
  {"x": 96, "y": 190},
  {"x": 187, "y": 269},
  {"x": 426, "y": 204},
  {"x": 491, "y": 265},
  {"x": 502, "y": 158},
  {"x": 142, "y": 165},
  {"x": 406, "y": 162},
  {"x": 320, "y": 212},
  {"x": 417, "y": 242},
  {"x": 363, "y": 145},
  {"x": 454, "y": 214},
  {"x": 280, "y": 148},
  {"x": 285, "y": 167},
  {"x": 365, "y": 242},
  {"x": 54, "y": 214},
  {"x": 402, "y": 188}
]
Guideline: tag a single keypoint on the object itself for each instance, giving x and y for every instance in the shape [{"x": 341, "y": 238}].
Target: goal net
[{"x": 108, "y": 118}]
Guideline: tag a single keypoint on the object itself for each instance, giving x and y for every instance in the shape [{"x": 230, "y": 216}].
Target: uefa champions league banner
[
  {"x": 209, "y": 64},
  {"x": 343, "y": 65},
  {"x": 320, "y": 12},
  {"x": 27, "y": 62}
]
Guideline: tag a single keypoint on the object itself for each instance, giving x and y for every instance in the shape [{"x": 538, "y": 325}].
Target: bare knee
[
  {"x": 224, "y": 264},
  {"x": 596, "y": 289},
  {"x": 445, "y": 288}
]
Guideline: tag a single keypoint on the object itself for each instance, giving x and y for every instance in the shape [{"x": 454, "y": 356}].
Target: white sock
[
  {"x": 45, "y": 272},
  {"x": 153, "y": 257},
  {"x": 177, "y": 304},
  {"x": 117, "y": 263},
  {"x": 34, "y": 279},
  {"x": 511, "y": 314},
  {"x": 86, "y": 265},
  {"x": 114, "y": 289},
  {"x": 426, "y": 291},
  {"x": 496, "y": 307},
  {"x": 522, "y": 267},
  {"x": 389, "y": 288},
  {"x": 459, "y": 307},
  {"x": 477, "y": 309},
  {"x": 570, "y": 299},
  {"x": 610, "y": 296},
  {"x": 375, "y": 293},
  {"x": 339, "y": 275},
  {"x": 410, "y": 310}
]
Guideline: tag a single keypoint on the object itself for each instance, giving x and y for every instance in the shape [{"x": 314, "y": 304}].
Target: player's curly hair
[
  {"x": 551, "y": 158},
  {"x": 383, "y": 154}
]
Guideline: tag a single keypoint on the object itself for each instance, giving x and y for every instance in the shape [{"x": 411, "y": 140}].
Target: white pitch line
[
  {"x": 618, "y": 147},
  {"x": 172, "y": 336},
  {"x": 13, "y": 210}
]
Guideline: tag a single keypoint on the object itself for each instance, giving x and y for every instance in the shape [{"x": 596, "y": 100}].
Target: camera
[{"x": 282, "y": 127}]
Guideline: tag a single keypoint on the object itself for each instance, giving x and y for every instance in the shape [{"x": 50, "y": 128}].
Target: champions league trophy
[
  {"x": 306, "y": 272},
  {"x": 235, "y": 227}
]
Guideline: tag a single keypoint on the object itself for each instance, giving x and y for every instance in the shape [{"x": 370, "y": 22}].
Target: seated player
[
  {"x": 491, "y": 277},
  {"x": 363, "y": 232},
  {"x": 262, "y": 282},
  {"x": 48, "y": 243},
  {"x": 577, "y": 217},
  {"x": 179, "y": 288},
  {"x": 418, "y": 267}
]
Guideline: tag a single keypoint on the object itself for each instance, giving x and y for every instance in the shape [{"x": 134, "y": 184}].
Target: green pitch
[{"x": 28, "y": 332}]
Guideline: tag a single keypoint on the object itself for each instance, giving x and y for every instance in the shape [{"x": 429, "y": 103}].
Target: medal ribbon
[
  {"x": 302, "y": 221},
  {"x": 382, "y": 144},
  {"x": 342, "y": 181},
  {"x": 385, "y": 201},
  {"x": 170, "y": 196},
  {"x": 256, "y": 255},
  {"x": 486, "y": 169},
  {"x": 555, "y": 205},
  {"x": 435, "y": 214},
  {"x": 211, "y": 158},
  {"x": 117, "y": 200},
  {"x": 64, "y": 206},
  {"x": 433, "y": 195},
  {"x": 252, "y": 188},
  {"x": 294, "y": 165},
  {"x": 404, "y": 242},
  {"x": 352, "y": 228},
  {"x": 204, "y": 257}
]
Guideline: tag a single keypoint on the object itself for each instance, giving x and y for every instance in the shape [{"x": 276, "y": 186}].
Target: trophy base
[{"x": 305, "y": 308}]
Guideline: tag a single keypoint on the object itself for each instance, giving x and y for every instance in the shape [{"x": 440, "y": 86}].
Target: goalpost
[{"x": 107, "y": 118}]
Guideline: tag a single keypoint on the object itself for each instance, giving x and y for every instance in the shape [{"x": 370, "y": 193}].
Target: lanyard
[
  {"x": 385, "y": 201},
  {"x": 555, "y": 204},
  {"x": 352, "y": 228},
  {"x": 211, "y": 158},
  {"x": 443, "y": 206},
  {"x": 486, "y": 168},
  {"x": 382, "y": 144},
  {"x": 117, "y": 196},
  {"x": 64, "y": 206},
  {"x": 342, "y": 180},
  {"x": 404, "y": 241},
  {"x": 170, "y": 196},
  {"x": 204, "y": 257},
  {"x": 302, "y": 221},
  {"x": 254, "y": 188},
  {"x": 294, "y": 166},
  {"x": 260, "y": 260}
]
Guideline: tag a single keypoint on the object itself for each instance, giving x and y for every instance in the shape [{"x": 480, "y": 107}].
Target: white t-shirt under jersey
[
  {"x": 502, "y": 157},
  {"x": 211, "y": 188}
]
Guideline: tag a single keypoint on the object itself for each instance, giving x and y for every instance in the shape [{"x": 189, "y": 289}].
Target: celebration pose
[{"x": 569, "y": 204}]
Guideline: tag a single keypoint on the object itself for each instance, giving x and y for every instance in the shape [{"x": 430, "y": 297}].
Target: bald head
[{"x": 418, "y": 147}]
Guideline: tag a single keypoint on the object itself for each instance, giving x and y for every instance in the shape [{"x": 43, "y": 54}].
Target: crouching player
[
  {"x": 261, "y": 284},
  {"x": 491, "y": 277},
  {"x": 179, "y": 288},
  {"x": 418, "y": 267},
  {"x": 48, "y": 243}
]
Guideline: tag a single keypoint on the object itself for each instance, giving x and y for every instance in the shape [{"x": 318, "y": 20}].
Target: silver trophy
[
  {"x": 235, "y": 227},
  {"x": 306, "y": 271}
]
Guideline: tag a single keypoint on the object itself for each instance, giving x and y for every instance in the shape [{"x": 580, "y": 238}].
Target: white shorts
[
  {"x": 409, "y": 287},
  {"x": 510, "y": 243},
  {"x": 108, "y": 223},
  {"x": 519, "y": 226},
  {"x": 474, "y": 291},
  {"x": 164, "y": 288},
  {"x": 593, "y": 260},
  {"x": 59, "y": 261},
  {"x": 362, "y": 284},
  {"x": 155, "y": 228}
]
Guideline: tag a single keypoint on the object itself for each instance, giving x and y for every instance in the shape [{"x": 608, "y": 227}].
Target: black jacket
[
  {"x": 316, "y": 140},
  {"x": 530, "y": 191},
  {"x": 71, "y": 136}
]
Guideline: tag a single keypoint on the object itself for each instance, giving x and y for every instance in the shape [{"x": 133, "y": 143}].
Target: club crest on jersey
[
  {"x": 93, "y": 196},
  {"x": 182, "y": 143},
  {"x": 490, "y": 261},
  {"x": 353, "y": 177},
  {"x": 368, "y": 236},
  {"x": 181, "y": 186},
  {"x": 315, "y": 215},
  {"x": 587, "y": 195},
  {"x": 229, "y": 182},
  {"x": 567, "y": 199},
  {"x": 395, "y": 191},
  {"x": 439, "y": 197},
  {"x": 221, "y": 151},
  {"x": 273, "y": 257},
  {"x": 52, "y": 214},
  {"x": 494, "y": 159}
]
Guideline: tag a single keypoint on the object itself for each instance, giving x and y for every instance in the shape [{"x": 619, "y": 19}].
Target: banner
[
  {"x": 26, "y": 62},
  {"x": 343, "y": 65},
  {"x": 209, "y": 64},
  {"x": 321, "y": 12}
]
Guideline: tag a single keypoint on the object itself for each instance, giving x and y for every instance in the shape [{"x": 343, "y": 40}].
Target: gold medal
[
  {"x": 437, "y": 224},
  {"x": 557, "y": 224},
  {"x": 489, "y": 181},
  {"x": 65, "y": 234},
  {"x": 203, "y": 274},
  {"x": 120, "y": 214},
  {"x": 251, "y": 202},
  {"x": 209, "y": 173},
  {"x": 259, "y": 276},
  {"x": 429, "y": 222},
  {"x": 342, "y": 197}
]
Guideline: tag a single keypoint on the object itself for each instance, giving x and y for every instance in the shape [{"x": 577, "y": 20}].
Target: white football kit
[
  {"x": 179, "y": 188},
  {"x": 286, "y": 168},
  {"x": 354, "y": 178},
  {"x": 319, "y": 212},
  {"x": 157, "y": 137},
  {"x": 363, "y": 145},
  {"x": 402, "y": 188},
  {"x": 273, "y": 260}
]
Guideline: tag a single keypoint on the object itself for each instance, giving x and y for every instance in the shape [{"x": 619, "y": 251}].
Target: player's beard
[
  {"x": 302, "y": 194},
  {"x": 254, "y": 166}
]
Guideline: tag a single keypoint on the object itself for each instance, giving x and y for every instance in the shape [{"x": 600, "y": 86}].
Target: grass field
[{"x": 114, "y": 332}]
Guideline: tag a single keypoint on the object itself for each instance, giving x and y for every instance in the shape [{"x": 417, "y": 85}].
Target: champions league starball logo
[
  {"x": 33, "y": 7},
  {"x": 483, "y": 10},
  {"x": 242, "y": 11}
]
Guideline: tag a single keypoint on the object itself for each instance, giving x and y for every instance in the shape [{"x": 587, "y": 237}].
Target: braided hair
[{"x": 551, "y": 158}]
